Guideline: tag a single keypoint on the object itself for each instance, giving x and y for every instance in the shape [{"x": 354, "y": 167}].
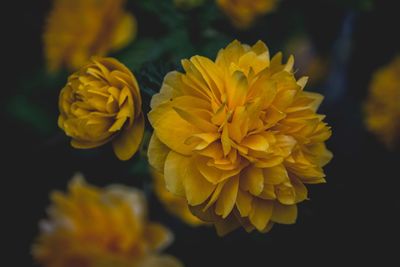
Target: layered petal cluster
[
  {"x": 175, "y": 205},
  {"x": 102, "y": 103},
  {"x": 243, "y": 13},
  {"x": 382, "y": 108},
  {"x": 79, "y": 29},
  {"x": 93, "y": 227},
  {"x": 238, "y": 137}
]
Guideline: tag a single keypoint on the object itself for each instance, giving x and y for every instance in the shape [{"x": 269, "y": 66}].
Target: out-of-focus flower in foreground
[
  {"x": 238, "y": 137},
  {"x": 79, "y": 29},
  {"x": 382, "y": 108},
  {"x": 174, "y": 204},
  {"x": 243, "y": 13},
  {"x": 93, "y": 227},
  {"x": 102, "y": 103}
]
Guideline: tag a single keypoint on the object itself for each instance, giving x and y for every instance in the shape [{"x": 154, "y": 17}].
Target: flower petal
[
  {"x": 175, "y": 169},
  {"x": 128, "y": 141},
  {"x": 197, "y": 188},
  {"x": 252, "y": 180},
  {"x": 284, "y": 214},
  {"x": 243, "y": 203},
  {"x": 227, "y": 197},
  {"x": 261, "y": 213},
  {"x": 157, "y": 153}
]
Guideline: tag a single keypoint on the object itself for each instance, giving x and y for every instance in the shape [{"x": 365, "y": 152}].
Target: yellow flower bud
[{"x": 101, "y": 103}]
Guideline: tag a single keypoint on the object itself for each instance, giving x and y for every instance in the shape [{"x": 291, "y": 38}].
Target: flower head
[
  {"x": 243, "y": 12},
  {"x": 101, "y": 103},
  {"x": 79, "y": 29},
  {"x": 93, "y": 227},
  {"x": 174, "y": 204},
  {"x": 238, "y": 137},
  {"x": 382, "y": 108}
]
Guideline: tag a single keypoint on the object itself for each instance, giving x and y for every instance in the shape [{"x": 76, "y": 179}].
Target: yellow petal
[
  {"x": 175, "y": 169},
  {"x": 300, "y": 189},
  {"x": 255, "y": 142},
  {"x": 275, "y": 175},
  {"x": 215, "y": 195},
  {"x": 170, "y": 89},
  {"x": 243, "y": 203},
  {"x": 227, "y": 198},
  {"x": 284, "y": 214},
  {"x": 261, "y": 213},
  {"x": 252, "y": 180},
  {"x": 162, "y": 118},
  {"x": 128, "y": 140},
  {"x": 157, "y": 153},
  {"x": 286, "y": 194},
  {"x": 197, "y": 188},
  {"x": 213, "y": 174},
  {"x": 196, "y": 121}
]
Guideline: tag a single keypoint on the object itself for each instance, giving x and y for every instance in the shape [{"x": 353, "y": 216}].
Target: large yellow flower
[
  {"x": 238, "y": 137},
  {"x": 79, "y": 29},
  {"x": 93, "y": 227},
  {"x": 101, "y": 103},
  {"x": 382, "y": 108},
  {"x": 243, "y": 12},
  {"x": 174, "y": 204}
]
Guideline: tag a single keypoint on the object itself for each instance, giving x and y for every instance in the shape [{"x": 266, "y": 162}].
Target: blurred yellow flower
[
  {"x": 308, "y": 61},
  {"x": 382, "y": 108},
  {"x": 93, "y": 227},
  {"x": 239, "y": 138},
  {"x": 101, "y": 103},
  {"x": 188, "y": 3},
  {"x": 244, "y": 12},
  {"x": 78, "y": 29},
  {"x": 174, "y": 204}
]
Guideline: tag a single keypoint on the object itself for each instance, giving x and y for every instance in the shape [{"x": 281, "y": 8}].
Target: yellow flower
[
  {"x": 382, "y": 108},
  {"x": 93, "y": 227},
  {"x": 79, "y": 29},
  {"x": 244, "y": 12},
  {"x": 174, "y": 204},
  {"x": 238, "y": 138},
  {"x": 101, "y": 103}
]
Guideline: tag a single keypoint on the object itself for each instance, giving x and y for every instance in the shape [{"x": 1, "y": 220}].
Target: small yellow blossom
[
  {"x": 244, "y": 12},
  {"x": 79, "y": 29},
  {"x": 102, "y": 103},
  {"x": 174, "y": 204},
  {"x": 238, "y": 137},
  {"x": 382, "y": 108},
  {"x": 93, "y": 227}
]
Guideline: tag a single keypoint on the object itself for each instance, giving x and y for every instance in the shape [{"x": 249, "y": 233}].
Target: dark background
[{"x": 351, "y": 219}]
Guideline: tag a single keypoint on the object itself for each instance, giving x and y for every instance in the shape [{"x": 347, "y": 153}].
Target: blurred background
[{"x": 338, "y": 43}]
